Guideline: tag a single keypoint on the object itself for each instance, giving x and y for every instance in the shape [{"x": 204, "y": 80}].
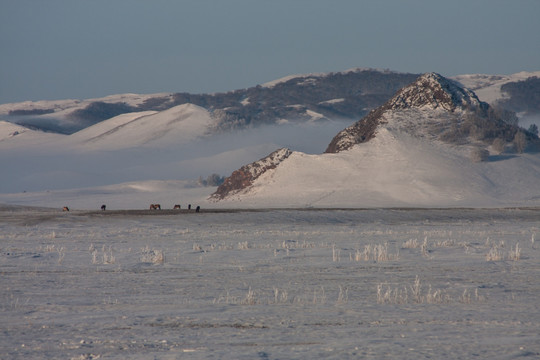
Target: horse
[
  {"x": 155, "y": 207},
  {"x": 103, "y": 207},
  {"x": 197, "y": 209},
  {"x": 176, "y": 207},
  {"x": 65, "y": 208}
]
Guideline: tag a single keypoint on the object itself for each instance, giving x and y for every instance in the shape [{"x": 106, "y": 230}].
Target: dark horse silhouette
[
  {"x": 176, "y": 207},
  {"x": 155, "y": 207},
  {"x": 103, "y": 207}
]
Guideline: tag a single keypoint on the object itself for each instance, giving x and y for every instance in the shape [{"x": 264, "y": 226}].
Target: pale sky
[{"x": 59, "y": 49}]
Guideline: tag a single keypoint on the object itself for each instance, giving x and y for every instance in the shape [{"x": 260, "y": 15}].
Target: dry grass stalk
[{"x": 515, "y": 253}]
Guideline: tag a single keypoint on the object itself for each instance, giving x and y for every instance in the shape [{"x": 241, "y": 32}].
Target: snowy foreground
[{"x": 269, "y": 284}]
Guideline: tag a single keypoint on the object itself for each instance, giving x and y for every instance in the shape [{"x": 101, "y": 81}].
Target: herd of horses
[
  {"x": 175, "y": 207},
  {"x": 152, "y": 207}
]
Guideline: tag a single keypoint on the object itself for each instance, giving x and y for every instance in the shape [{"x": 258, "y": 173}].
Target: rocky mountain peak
[
  {"x": 429, "y": 92},
  {"x": 244, "y": 177},
  {"x": 435, "y": 91}
]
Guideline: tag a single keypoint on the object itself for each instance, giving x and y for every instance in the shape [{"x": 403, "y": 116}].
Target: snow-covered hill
[
  {"x": 395, "y": 169},
  {"x": 62, "y": 116},
  {"x": 15, "y": 136},
  {"x": 397, "y": 156},
  {"x": 174, "y": 126}
]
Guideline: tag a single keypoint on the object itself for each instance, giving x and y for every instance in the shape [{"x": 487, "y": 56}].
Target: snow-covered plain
[{"x": 269, "y": 284}]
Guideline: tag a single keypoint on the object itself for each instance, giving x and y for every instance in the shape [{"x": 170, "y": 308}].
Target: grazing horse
[
  {"x": 155, "y": 207},
  {"x": 65, "y": 208},
  {"x": 103, "y": 207},
  {"x": 176, "y": 207}
]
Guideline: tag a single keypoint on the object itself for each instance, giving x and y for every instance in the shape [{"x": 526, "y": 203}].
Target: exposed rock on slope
[
  {"x": 431, "y": 106},
  {"x": 244, "y": 177}
]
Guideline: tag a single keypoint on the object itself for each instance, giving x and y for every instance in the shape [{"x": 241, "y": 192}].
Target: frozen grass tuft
[
  {"x": 410, "y": 244},
  {"x": 319, "y": 296},
  {"x": 243, "y": 245},
  {"x": 106, "y": 257},
  {"x": 152, "y": 256},
  {"x": 343, "y": 296},
  {"x": 197, "y": 247},
  {"x": 515, "y": 253},
  {"x": 423, "y": 248},
  {"x": 280, "y": 296},
  {"x": 400, "y": 295},
  {"x": 250, "y": 299},
  {"x": 496, "y": 254},
  {"x": 336, "y": 254},
  {"x": 61, "y": 254},
  {"x": 375, "y": 252}
]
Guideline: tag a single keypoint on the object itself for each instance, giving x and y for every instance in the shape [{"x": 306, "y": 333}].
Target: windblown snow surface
[{"x": 269, "y": 284}]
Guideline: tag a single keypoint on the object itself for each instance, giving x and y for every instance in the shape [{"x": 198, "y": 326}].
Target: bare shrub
[
  {"x": 520, "y": 141},
  {"x": 498, "y": 145}
]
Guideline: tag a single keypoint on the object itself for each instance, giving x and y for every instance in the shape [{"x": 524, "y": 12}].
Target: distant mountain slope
[
  {"x": 70, "y": 116},
  {"x": 401, "y": 154},
  {"x": 349, "y": 95},
  {"x": 517, "y": 92},
  {"x": 13, "y": 135}
]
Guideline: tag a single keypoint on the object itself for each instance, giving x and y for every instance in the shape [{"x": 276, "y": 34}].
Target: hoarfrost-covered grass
[{"x": 380, "y": 283}]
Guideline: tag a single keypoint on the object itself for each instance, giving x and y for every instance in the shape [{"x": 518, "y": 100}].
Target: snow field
[{"x": 270, "y": 284}]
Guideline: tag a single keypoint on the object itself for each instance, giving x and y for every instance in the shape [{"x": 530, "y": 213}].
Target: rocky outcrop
[
  {"x": 435, "y": 91},
  {"x": 243, "y": 178}
]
